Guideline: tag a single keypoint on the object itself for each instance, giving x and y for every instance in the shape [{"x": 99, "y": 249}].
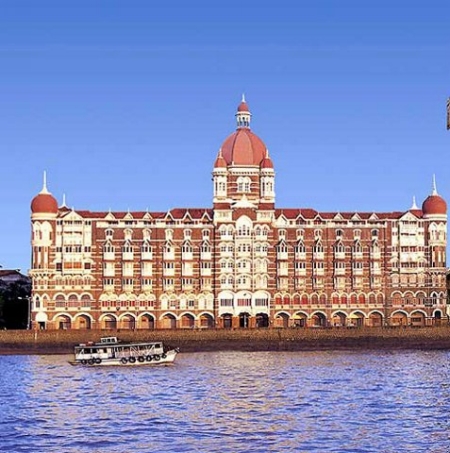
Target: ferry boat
[{"x": 111, "y": 351}]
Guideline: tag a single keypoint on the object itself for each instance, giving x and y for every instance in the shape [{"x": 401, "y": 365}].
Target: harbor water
[{"x": 357, "y": 401}]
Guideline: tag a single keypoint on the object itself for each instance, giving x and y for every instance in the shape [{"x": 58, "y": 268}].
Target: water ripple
[{"x": 345, "y": 402}]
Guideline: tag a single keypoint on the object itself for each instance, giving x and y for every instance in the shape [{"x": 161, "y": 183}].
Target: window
[{"x": 243, "y": 184}]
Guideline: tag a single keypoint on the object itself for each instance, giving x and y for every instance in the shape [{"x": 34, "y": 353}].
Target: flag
[{"x": 448, "y": 113}]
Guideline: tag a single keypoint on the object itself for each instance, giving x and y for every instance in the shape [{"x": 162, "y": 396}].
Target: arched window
[{"x": 243, "y": 184}]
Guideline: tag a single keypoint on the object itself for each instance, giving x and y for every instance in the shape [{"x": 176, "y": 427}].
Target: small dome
[
  {"x": 243, "y": 107},
  {"x": 44, "y": 203},
  {"x": 434, "y": 204},
  {"x": 220, "y": 162},
  {"x": 267, "y": 163}
]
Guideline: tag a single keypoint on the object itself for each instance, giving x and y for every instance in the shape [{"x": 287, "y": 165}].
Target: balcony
[
  {"x": 318, "y": 255},
  {"x": 205, "y": 256},
  {"x": 339, "y": 271},
  {"x": 109, "y": 272},
  {"x": 282, "y": 255},
  {"x": 206, "y": 272},
  {"x": 187, "y": 256},
  {"x": 283, "y": 271},
  {"x": 339, "y": 255},
  {"x": 300, "y": 256},
  {"x": 109, "y": 256},
  {"x": 168, "y": 272},
  {"x": 300, "y": 272}
]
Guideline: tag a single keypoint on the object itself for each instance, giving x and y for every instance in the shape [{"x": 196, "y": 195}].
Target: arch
[
  {"x": 244, "y": 320},
  {"x": 168, "y": 321},
  {"x": 83, "y": 321},
  {"x": 300, "y": 319},
  {"x": 418, "y": 318},
  {"x": 399, "y": 318},
  {"x": 227, "y": 320},
  {"x": 262, "y": 320},
  {"x": 375, "y": 319},
  {"x": 356, "y": 318},
  {"x": 318, "y": 319},
  {"x": 339, "y": 319},
  {"x": 281, "y": 319},
  {"x": 63, "y": 321},
  {"x": 147, "y": 321},
  {"x": 206, "y": 320},
  {"x": 187, "y": 321},
  {"x": 127, "y": 321},
  {"x": 108, "y": 322}
]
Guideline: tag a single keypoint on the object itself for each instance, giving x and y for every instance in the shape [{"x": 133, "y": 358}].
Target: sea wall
[{"x": 62, "y": 341}]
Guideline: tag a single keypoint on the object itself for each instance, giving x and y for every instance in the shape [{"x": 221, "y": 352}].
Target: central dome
[{"x": 243, "y": 147}]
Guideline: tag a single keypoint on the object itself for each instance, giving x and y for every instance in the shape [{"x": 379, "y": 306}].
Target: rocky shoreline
[{"x": 62, "y": 342}]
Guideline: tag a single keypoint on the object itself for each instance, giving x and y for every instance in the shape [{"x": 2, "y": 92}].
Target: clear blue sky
[{"x": 126, "y": 103}]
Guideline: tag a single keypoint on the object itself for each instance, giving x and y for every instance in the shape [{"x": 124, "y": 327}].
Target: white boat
[{"x": 111, "y": 351}]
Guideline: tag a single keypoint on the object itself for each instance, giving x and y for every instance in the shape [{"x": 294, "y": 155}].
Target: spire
[
  {"x": 434, "y": 186},
  {"x": 243, "y": 98},
  {"x": 44, "y": 184},
  {"x": 414, "y": 204},
  {"x": 63, "y": 204}
]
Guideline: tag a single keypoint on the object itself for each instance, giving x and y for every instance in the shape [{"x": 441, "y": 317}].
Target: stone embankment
[{"x": 63, "y": 341}]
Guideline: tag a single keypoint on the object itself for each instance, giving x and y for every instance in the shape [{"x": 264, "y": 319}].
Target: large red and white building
[{"x": 241, "y": 263}]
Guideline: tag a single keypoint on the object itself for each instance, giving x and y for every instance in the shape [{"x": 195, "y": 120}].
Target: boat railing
[{"x": 136, "y": 351}]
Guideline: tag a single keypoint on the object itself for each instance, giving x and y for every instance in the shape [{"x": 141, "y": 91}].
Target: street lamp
[{"x": 28, "y": 299}]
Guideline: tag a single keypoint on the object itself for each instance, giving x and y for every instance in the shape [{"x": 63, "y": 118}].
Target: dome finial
[
  {"x": 63, "y": 204},
  {"x": 414, "y": 204},
  {"x": 243, "y": 97},
  {"x": 44, "y": 184},
  {"x": 434, "y": 186}
]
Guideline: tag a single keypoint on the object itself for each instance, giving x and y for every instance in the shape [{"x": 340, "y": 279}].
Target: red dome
[
  {"x": 44, "y": 203},
  {"x": 243, "y": 147},
  {"x": 267, "y": 163},
  {"x": 434, "y": 204},
  {"x": 220, "y": 162},
  {"x": 243, "y": 107}
]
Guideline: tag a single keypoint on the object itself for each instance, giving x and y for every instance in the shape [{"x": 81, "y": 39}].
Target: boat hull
[{"x": 167, "y": 358}]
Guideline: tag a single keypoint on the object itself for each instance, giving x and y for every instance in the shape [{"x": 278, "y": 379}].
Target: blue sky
[{"x": 125, "y": 104}]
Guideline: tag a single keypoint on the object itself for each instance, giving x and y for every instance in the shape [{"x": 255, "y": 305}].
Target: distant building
[{"x": 241, "y": 263}]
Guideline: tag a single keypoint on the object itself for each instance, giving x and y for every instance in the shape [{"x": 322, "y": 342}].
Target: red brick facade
[{"x": 243, "y": 263}]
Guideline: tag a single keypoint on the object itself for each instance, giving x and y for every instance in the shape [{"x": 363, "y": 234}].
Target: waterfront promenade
[{"x": 62, "y": 341}]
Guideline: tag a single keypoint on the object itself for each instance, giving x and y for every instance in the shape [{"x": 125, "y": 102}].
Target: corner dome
[
  {"x": 434, "y": 204},
  {"x": 243, "y": 147},
  {"x": 220, "y": 161},
  {"x": 44, "y": 202}
]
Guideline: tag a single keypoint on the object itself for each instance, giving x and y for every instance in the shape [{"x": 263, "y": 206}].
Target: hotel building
[{"x": 241, "y": 263}]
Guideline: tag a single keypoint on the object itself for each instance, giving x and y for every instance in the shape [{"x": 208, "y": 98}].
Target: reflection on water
[{"x": 230, "y": 402}]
